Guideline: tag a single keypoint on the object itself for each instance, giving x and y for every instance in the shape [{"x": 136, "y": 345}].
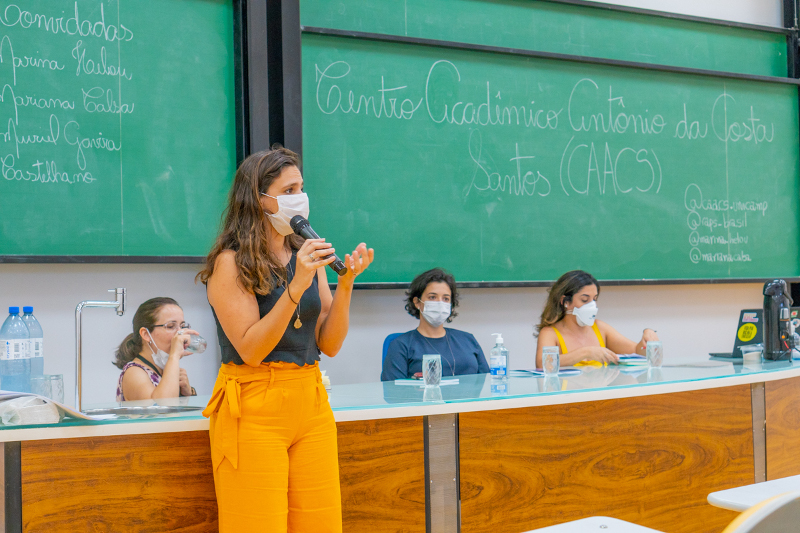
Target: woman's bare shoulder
[
  {"x": 225, "y": 269},
  {"x": 225, "y": 260},
  {"x": 604, "y": 327},
  {"x": 547, "y": 332}
]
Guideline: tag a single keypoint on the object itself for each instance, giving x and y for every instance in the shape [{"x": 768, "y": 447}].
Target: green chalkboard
[
  {"x": 116, "y": 126},
  {"x": 561, "y": 28},
  {"x": 504, "y": 168}
]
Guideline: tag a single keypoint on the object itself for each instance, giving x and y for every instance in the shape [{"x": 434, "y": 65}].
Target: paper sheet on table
[{"x": 68, "y": 411}]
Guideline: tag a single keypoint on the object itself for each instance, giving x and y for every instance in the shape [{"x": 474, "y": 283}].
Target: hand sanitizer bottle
[{"x": 498, "y": 359}]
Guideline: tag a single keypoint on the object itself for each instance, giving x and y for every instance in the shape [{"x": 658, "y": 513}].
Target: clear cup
[
  {"x": 551, "y": 384},
  {"x": 432, "y": 394},
  {"x": 655, "y": 354},
  {"x": 654, "y": 375},
  {"x": 752, "y": 353},
  {"x": 551, "y": 360},
  {"x": 49, "y": 385},
  {"x": 432, "y": 369},
  {"x": 197, "y": 344}
]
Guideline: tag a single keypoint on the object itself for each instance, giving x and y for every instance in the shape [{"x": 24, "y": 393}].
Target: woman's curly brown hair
[{"x": 421, "y": 282}]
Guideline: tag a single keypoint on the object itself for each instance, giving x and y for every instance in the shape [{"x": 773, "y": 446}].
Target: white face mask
[
  {"x": 585, "y": 314},
  {"x": 436, "y": 313},
  {"x": 160, "y": 357},
  {"x": 289, "y": 206}
]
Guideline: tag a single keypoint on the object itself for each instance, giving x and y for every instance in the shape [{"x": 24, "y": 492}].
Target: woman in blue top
[{"x": 432, "y": 299}]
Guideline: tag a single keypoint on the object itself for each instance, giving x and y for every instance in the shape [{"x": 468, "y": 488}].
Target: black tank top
[{"x": 298, "y": 345}]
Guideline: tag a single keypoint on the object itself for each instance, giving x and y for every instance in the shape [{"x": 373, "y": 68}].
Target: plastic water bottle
[
  {"x": 37, "y": 338},
  {"x": 15, "y": 365},
  {"x": 498, "y": 359}
]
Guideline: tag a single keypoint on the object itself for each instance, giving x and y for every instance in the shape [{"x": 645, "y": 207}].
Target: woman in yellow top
[{"x": 569, "y": 321}]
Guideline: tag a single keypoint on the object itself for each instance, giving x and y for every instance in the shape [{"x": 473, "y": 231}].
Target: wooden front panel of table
[
  {"x": 783, "y": 427},
  {"x": 382, "y": 472},
  {"x": 651, "y": 460},
  {"x": 143, "y": 483},
  {"x": 163, "y": 482}
]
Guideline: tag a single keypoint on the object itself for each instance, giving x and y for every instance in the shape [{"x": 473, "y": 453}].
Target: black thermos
[{"x": 778, "y": 342}]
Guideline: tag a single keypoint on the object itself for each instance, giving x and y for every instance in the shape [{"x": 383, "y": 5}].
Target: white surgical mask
[
  {"x": 160, "y": 357},
  {"x": 436, "y": 313},
  {"x": 585, "y": 314},
  {"x": 289, "y": 206}
]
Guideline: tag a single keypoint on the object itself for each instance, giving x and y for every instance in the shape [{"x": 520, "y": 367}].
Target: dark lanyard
[{"x": 148, "y": 363}]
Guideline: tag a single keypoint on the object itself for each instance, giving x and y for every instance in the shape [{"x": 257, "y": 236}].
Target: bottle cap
[
  {"x": 27, "y": 309},
  {"x": 498, "y": 338},
  {"x": 13, "y": 310}
]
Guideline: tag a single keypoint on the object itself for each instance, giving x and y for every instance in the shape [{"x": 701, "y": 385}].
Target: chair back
[
  {"x": 775, "y": 515},
  {"x": 386, "y": 342}
]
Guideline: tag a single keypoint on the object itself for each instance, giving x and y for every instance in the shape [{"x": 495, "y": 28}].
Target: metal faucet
[{"x": 119, "y": 304}]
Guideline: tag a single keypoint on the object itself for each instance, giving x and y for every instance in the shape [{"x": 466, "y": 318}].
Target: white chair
[
  {"x": 780, "y": 514},
  {"x": 776, "y": 515}
]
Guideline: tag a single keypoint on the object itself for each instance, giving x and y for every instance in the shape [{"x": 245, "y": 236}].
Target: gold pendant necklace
[{"x": 297, "y": 323}]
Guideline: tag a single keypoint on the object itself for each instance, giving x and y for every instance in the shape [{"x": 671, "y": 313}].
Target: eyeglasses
[{"x": 173, "y": 326}]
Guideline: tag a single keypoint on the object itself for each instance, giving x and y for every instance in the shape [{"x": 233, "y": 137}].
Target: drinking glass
[
  {"x": 432, "y": 369},
  {"x": 49, "y": 385},
  {"x": 655, "y": 354},
  {"x": 432, "y": 394},
  {"x": 551, "y": 360},
  {"x": 197, "y": 344},
  {"x": 551, "y": 384},
  {"x": 752, "y": 353}
]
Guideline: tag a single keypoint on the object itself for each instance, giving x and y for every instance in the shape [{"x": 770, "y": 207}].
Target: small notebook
[{"x": 632, "y": 360}]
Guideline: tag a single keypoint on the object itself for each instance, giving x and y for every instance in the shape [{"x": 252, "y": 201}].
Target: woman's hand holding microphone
[{"x": 316, "y": 254}]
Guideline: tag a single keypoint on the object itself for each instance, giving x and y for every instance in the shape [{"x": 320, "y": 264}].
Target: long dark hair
[
  {"x": 417, "y": 289},
  {"x": 145, "y": 317},
  {"x": 244, "y": 227},
  {"x": 565, "y": 287}
]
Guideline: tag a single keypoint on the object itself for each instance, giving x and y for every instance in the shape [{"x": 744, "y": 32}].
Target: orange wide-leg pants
[{"x": 273, "y": 449}]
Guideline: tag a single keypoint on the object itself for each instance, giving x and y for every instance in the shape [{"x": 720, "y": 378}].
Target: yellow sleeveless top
[{"x": 563, "y": 345}]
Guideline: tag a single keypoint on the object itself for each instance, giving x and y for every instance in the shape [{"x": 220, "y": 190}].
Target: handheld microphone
[{"x": 301, "y": 227}]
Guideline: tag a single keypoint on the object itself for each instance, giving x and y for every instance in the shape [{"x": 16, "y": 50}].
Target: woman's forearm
[
  {"x": 575, "y": 356},
  {"x": 333, "y": 329},
  {"x": 261, "y": 338},
  {"x": 168, "y": 387}
]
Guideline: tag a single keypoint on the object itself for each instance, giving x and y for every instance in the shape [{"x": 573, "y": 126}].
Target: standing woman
[{"x": 273, "y": 436}]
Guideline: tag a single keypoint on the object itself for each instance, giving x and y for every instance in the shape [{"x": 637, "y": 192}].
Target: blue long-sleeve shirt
[{"x": 462, "y": 355}]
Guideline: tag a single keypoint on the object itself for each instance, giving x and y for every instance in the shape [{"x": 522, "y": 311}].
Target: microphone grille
[{"x": 298, "y": 222}]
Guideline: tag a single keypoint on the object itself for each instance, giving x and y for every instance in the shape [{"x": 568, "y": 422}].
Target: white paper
[{"x": 10, "y": 395}]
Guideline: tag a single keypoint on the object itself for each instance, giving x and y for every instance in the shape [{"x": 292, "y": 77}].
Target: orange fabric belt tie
[{"x": 227, "y": 404}]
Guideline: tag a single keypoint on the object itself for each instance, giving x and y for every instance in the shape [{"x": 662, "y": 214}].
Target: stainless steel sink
[{"x": 142, "y": 410}]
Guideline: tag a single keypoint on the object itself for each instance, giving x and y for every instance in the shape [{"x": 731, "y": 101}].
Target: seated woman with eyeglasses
[
  {"x": 432, "y": 299},
  {"x": 149, "y": 357}
]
